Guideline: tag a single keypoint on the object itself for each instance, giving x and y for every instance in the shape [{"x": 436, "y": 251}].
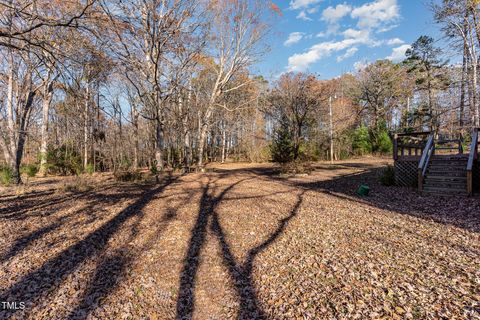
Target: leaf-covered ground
[{"x": 241, "y": 242}]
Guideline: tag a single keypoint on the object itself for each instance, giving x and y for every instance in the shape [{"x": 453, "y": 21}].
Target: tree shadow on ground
[
  {"x": 97, "y": 202},
  {"x": 52, "y": 273},
  {"x": 240, "y": 273},
  {"x": 459, "y": 211},
  {"x": 110, "y": 271}
]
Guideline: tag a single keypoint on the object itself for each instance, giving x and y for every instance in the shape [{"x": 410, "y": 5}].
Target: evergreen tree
[
  {"x": 425, "y": 63},
  {"x": 282, "y": 148}
]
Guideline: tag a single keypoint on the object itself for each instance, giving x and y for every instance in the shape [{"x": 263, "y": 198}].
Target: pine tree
[{"x": 282, "y": 148}]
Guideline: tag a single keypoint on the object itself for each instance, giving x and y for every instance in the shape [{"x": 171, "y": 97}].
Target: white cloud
[
  {"x": 356, "y": 34},
  {"x": 350, "y": 52},
  {"x": 368, "y": 22},
  {"x": 398, "y": 53},
  {"x": 293, "y": 38},
  {"x": 387, "y": 28},
  {"x": 395, "y": 41},
  {"x": 376, "y": 14},
  {"x": 303, "y": 16},
  {"x": 301, "y": 61},
  {"x": 300, "y": 4},
  {"x": 333, "y": 14}
]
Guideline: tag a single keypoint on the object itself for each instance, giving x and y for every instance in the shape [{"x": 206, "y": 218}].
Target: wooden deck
[{"x": 418, "y": 155}]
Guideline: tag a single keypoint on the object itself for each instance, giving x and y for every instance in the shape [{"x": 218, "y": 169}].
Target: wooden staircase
[
  {"x": 450, "y": 174},
  {"x": 446, "y": 175}
]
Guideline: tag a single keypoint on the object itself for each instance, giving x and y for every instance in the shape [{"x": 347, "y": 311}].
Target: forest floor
[{"x": 239, "y": 241}]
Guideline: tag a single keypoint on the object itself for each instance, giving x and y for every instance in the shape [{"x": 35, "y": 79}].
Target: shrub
[
  {"x": 6, "y": 175},
  {"x": 361, "y": 142},
  {"x": 90, "y": 168},
  {"x": 64, "y": 160},
  {"x": 127, "y": 175},
  {"x": 153, "y": 168},
  {"x": 384, "y": 143},
  {"x": 75, "y": 184},
  {"x": 388, "y": 176},
  {"x": 29, "y": 169},
  {"x": 381, "y": 141},
  {"x": 296, "y": 167}
]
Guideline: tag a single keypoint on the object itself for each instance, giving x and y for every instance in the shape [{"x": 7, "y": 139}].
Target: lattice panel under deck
[{"x": 406, "y": 174}]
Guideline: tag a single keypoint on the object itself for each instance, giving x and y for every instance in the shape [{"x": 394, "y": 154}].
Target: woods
[{"x": 118, "y": 85}]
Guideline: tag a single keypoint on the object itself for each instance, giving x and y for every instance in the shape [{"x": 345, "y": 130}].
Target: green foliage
[
  {"x": 153, "y": 168},
  {"x": 308, "y": 151},
  {"x": 29, "y": 169},
  {"x": 64, "y": 160},
  {"x": 125, "y": 163},
  {"x": 384, "y": 143},
  {"x": 381, "y": 141},
  {"x": 282, "y": 148},
  {"x": 361, "y": 142},
  {"x": 90, "y": 168},
  {"x": 6, "y": 175},
  {"x": 388, "y": 176}
]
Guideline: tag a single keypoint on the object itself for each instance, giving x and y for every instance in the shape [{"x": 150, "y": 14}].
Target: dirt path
[{"x": 242, "y": 242}]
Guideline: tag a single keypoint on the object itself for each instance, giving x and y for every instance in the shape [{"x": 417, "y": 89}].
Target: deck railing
[
  {"x": 471, "y": 158},
  {"x": 425, "y": 159},
  {"x": 409, "y": 144}
]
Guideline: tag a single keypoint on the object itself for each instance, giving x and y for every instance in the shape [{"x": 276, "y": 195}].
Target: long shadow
[
  {"x": 24, "y": 242},
  {"x": 186, "y": 298},
  {"x": 97, "y": 201},
  {"x": 458, "y": 211},
  {"x": 241, "y": 274},
  {"x": 33, "y": 205},
  {"x": 110, "y": 271},
  {"x": 53, "y": 272}
]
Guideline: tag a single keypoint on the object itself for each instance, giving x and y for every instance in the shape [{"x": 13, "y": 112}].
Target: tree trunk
[
  {"x": 201, "y": 144},
  {"x": 47, "y": 99},
  {"x": 474, "y": 94},
  {"x": 462, "y": 90},
  {"x": 224, "y": 141},
  {"x": 159, "y": 144},
  {"x": 12, "y": 137},
  {"x": 135, "y": 137},
  {"x": 85, "y": 126},
  {"x": 22, "y": 134}
]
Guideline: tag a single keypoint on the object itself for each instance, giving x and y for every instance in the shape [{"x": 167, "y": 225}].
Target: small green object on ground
[{"x": 363, "y": 190}]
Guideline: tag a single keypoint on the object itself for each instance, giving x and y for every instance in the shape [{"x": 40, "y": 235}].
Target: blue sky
[{"x": 331, "y": 37}]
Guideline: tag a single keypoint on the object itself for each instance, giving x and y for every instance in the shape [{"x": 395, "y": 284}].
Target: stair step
[
  {"x": 462, "y": 159},
  {"x": 442, "y": 180},
  {"x": 459, "y": 174},
  {"x": 448, "y": 167},
  {"x": 444, "y": 177},
  {"x": 461, "y": 186},
  {"x": 449, "y": 157},
  {"x": 452, "y": 165},
  {"x": 453, "y": 191},
  {"x": 441, "y": 194}
]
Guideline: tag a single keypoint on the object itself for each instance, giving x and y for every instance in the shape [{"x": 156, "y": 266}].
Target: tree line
[{"x": 98, "y": 85}]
